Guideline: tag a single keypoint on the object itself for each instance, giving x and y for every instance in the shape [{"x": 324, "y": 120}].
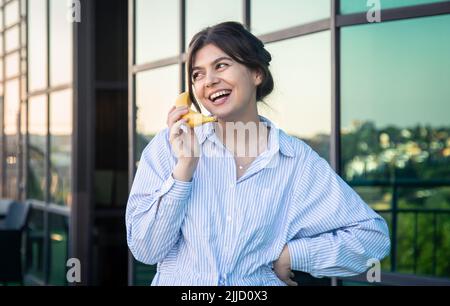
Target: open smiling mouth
[{"x": 220, "y": 97}]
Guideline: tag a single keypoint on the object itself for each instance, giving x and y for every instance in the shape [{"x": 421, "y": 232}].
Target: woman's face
[{"x": 226, "y": 88}]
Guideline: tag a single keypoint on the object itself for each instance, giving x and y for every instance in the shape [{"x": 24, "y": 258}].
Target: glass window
[
  {"x": 157, "y": 29},
  {"x": 269, "y": 16},
  {"x": 58, "y": 227},
  {"x": 11, "y": 107},
  {"x": 199, "y": 14},
  {"x": 37, "y": 139},
  {"x": 395, "y": 130},
  {"x": 12, "y": 65},
  {"x": 35, "y": 244},
  {"x": 156, "y": 91},
  {"x": 60, "y": 44},
  {"x": 37, "y": 45},
  {"x": 12, "y": 13},
  {"x": 301, "y": 101},
  {"x": 356, "y": 6},
  {"x": 61, "y": 147},
  {"x": 12, "y": 39}
]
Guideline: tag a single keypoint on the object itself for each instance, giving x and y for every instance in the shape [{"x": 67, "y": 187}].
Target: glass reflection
[
  {"x": 35, "y": 244},
  {"x": 356, "y": 6},
  {"x": 152, "y": 43},
  {"x": 37, "y": 131},
  {"x": 156, "y": 91},
  {"x": 12, "y": 39},
  {"x": 11, "y": 107},
  {"x": 268, "y": 16},
  {"x": 11, "y": 13},
  {"x": 300, "y": 103},
  {"x": 12, "y": 65},
  {"x": 58, "y": 226},
  {"x": 37, "y": 45},
  {"x": 61, "y": 147},
  {"x": 60, "y": 44},
  {"x": 199, "y": 16},
  {"x": 396, "y": 132}
]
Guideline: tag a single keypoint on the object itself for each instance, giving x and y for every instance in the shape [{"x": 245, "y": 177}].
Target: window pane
[
  {"x": 156, "y": 91},
  {"x": 356, "y": 6},
  {"x": 157, "y": 29},
  {"x": 37, "y": 129},
  {"x": 301, "y": 101},
  {"x": 11, "y": 13},
  {"x": 58, "y": 227},
  {"x": 61, "y": 147},
  {"x": 268, "y": 16},
  {"x": 395, "y": 130},
  {"x": 12, "y": 39},
  {"x": 12, "y": 65},
  {"x": 199, "y": 14},
  {"x": 37, "y": 49},
  {"x": 11, "y": 129},
  {"x": 11, "y": 107},
  {"x": 35, "y": 244},
  {"x": 60, "y": 44}
]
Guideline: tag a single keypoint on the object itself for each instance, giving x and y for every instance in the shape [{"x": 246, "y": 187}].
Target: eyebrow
[{"x": 214, "y": 62}]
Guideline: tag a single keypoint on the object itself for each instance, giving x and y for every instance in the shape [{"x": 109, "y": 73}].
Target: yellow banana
[{"x": 193, "y": 118}]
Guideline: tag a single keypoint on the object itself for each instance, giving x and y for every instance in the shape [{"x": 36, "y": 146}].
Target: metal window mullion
[
  {"x": 2, "y": 111},
  {"x": 246, "y": 5},
  {"x": 47, "y": 157},
  {"x": 335, "y": 96},
  {"x": 182, "y": 47},
  {"x": 131, "y": 114},
  {"x": 26, "y": 140}
]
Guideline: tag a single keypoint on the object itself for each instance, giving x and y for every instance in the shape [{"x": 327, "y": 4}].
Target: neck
[{"x": 244, "y": 138}]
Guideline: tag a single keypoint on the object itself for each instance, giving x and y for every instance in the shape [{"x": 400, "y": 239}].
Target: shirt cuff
[
  {"x": 175, "y": 189},
  {"x": 299, "y": 254}
]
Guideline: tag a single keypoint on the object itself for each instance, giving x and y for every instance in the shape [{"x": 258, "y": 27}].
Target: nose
[{"x": 211, "y": 79}]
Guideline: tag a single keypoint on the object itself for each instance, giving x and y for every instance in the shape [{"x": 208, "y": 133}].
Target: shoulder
[{"x": 295, "y": 146}]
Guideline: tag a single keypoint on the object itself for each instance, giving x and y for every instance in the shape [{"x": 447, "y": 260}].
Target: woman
[{"x": 223, "y": 217}]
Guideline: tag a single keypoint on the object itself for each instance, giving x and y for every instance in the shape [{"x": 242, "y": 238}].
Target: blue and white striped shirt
[{"x": 219, "y": 230}]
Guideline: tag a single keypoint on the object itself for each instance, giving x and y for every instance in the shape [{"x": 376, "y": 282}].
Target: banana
[{"x": 193, "y": 118}]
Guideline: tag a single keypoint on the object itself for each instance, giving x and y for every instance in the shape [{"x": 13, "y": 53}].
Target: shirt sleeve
[
  {"x": 157, "y": 203},
  {"x": 334, "y": 232}
]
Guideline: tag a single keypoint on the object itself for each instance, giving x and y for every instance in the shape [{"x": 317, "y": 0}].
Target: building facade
[{"x": 367, "y": 89}]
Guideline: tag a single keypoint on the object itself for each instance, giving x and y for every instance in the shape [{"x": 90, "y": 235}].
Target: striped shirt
[{"x": 220, "y": 230}]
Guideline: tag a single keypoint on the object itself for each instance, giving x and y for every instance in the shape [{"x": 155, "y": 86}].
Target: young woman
[{"x": 223, "y": 217}]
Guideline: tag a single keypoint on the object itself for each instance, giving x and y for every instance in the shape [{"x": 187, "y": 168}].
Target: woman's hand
[
  {"x": 184, "y": 144},
  {"x": 282, "y": 267}
]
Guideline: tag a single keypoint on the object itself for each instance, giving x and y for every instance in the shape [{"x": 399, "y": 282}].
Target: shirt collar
[{"x": 278, "y": 139}]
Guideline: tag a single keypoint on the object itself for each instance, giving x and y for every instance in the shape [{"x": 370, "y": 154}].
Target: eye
[
  {"x": 221, "y": 65},
  {"x": 196, "y": 76}
]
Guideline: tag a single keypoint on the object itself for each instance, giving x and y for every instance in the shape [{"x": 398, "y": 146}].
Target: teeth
[{"x": 219, "y": 93}]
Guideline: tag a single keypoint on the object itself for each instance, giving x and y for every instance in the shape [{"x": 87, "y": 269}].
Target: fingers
[
  {"x": 290, "y": 282},
  {"x": 176, "y": 129},
  {"x": 175, "y": 114}
]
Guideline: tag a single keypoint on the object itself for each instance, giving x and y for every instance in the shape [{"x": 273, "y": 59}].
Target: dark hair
[{"x": 241, "y": 45}]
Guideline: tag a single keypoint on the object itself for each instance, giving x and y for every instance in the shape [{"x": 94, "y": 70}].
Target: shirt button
[
  {"x": 228, "y": 218},
  {"x": 231, "y": 185}
]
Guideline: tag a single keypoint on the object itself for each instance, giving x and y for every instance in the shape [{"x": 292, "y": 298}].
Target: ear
[{"x": 257, "y": 77}]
